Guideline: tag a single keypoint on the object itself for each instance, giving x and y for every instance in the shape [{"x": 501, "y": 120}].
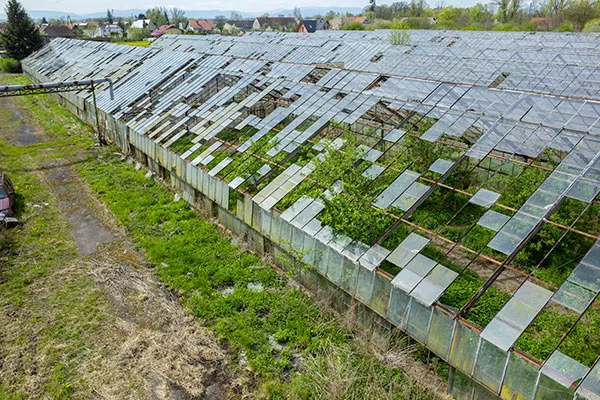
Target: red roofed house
[
  {"x": 200, "y": 26},
  {"x": 338, "y": 23},
  {"x": 170, "y": 29},
  {"x": 541, "y": 22}
]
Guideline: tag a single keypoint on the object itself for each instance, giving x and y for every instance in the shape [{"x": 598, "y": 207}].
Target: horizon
[{"x": 77, "y": 7}]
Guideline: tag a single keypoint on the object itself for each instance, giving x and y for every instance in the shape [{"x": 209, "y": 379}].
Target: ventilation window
[
  {"x": 498, "y": 81},
  {"x": 377, "y": 57}
]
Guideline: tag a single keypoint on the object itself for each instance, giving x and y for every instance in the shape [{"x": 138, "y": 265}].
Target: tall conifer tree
[{"x": 21, "y": 37}]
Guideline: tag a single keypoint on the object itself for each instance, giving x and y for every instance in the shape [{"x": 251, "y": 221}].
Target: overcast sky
[
  {"x": 79, "y": 6},
  {"x": 86, "y": 6}
]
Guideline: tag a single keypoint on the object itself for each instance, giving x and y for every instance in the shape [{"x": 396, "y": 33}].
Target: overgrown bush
[
  {"x": 137, "y": 34},
  {"x": 566, "y": 27},
  {"x": 592, "y": 25},
  {"x": 354, "y": 26},
  {"x": 399, "y": 37},
  {"x": 10, "y": 65}
]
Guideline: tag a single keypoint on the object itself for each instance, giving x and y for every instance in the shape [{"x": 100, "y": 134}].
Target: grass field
[{"x": 141, "y": 43}]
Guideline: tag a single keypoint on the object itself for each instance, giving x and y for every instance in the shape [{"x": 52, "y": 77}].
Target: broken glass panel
[
  {"x": 493, "y": 220},
  {"x": 506, "y": 327},
  {"x": 407, "y": 250},
  {"x": 485, "y": 198},
  {"x": 441, "y": 166},
  {"x": 564, "y": 369},
  {"x": 413, "y": 273},
  {"x": 434, "y": 284}
]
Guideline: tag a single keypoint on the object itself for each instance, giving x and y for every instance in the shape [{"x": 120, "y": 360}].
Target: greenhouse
[{"x": 449, "y": 183}]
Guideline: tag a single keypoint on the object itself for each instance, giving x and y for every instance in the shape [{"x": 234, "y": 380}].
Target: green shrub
[
  {"x": 10, "y": 65},
  {"x": 399, "y": 37},
  {"x": 354, "y": 26},
  {"x": 566, "y": 27},
  {"x": 592, "y": 25}
]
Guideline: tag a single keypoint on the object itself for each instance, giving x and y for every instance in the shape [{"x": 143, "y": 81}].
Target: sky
[{"x": 81, "y": 7}]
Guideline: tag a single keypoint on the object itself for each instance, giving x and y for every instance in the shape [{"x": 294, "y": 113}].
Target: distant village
[{"x": 160, "y": 21}]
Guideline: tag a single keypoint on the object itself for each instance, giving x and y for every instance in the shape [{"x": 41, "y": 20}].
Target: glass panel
[
  {"x": 490, "y": 364},
  {"x": 564, "y": 369},
  {"x": 440, "y": 333},
  {"x": 418, "y": 321},
  {"x": 573, "y": 296},
  {"x": 520, "y": 379},
  {"x": 493, "y": 220},
  {"x": 407, "y": 250},
  {"x": 397, "y": 307},
  {"x": 349, "y": 275},
  {"x": 321, "y": 257},
  {"x": 462, "y": 387},
  {"x": 364, "y": 287},
  {"x": 413, "y": 273},
  {"x": 482, "y": 393},
  {"x": 410, "y": 196},
  {"x": 590, "y": 387},
  {"x": 434, "y": 284},
  {"x": 334, "y": 266},
  {"x": 373, "y": 257},
  {"x": 464, "y": 347},
  {"x": 296, "y": 208},
  {"x": 549, "y": 389},
  {"x": 506, "y": 327},
  {"x": 265, "y": 222},
  {"x": 381, "y": 294},
  {"x": 309, "y": 250},
  {"x": 393, "y": 191},
  {"x": 373, "y": 171},
  {"x": 485, "y": 198},
  {"x": 441, "y": 166}
]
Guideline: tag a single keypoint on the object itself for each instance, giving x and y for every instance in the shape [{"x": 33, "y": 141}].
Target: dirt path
[{"x": 148, "y": 346}]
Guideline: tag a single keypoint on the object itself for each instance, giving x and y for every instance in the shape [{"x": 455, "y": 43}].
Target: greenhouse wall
[{"x": 479, "y": 370}]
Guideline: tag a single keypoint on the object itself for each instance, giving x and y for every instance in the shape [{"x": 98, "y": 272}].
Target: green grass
[
  {"x": 198, "y": 261},
  {"x": 193, "y": 257},
  {"x": 141, "y": 43},
  {"x": 51, "y": 314}
]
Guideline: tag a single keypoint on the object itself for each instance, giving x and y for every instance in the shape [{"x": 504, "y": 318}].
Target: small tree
[
  {"x": 579, "y": 12},
  {"x": 220, "y": 22},
  {"x": 297, "y": 13},
  {"x": 399, "y": 37},
  {"x": 21, "y": 37}
]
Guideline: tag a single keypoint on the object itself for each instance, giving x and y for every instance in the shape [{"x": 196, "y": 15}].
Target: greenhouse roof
[{"x": 463, "y": 166}]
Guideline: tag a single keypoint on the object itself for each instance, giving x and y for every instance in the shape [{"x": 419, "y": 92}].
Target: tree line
[{"x": 562, "y": 15}]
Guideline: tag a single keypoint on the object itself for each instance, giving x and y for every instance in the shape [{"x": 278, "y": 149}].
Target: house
[
  {"x": 50, "y": 32},
  {"x": 108, "y": 30},
  {"x": 238, "y": 26},
  {"x": 143, "y": 23},
  {"x": 282, "y": 24},
  {"x": 338, "y": 23},
  {"x": 542, "y": 23},
  {"x": 169, "y": 29},
  {"x": 312, "y": 25},
  {"x": 200, "y": 26},
  {"x": 77, "y": 27}
]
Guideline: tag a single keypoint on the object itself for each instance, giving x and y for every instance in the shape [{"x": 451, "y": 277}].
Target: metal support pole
[{"x": 100, "y": 137}]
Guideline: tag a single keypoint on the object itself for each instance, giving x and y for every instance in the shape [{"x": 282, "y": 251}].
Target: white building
[
  {"x": 143, "y": 23},
  {"x": 108, "y": 30}
]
